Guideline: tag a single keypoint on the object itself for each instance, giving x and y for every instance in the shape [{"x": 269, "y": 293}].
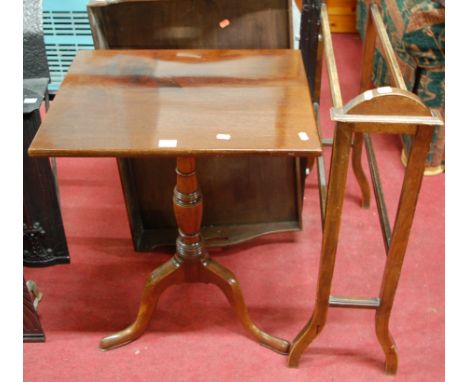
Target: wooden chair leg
[{"x": 359, "y": 171}]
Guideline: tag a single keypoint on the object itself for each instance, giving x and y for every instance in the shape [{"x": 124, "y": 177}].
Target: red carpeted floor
[{"x": 194, "y": 335}]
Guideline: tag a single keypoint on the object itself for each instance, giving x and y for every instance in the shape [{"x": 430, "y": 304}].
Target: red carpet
[{"x": 194, "y": 335}]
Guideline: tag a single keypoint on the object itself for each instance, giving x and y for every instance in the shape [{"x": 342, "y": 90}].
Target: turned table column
[{"x": 188, "y": 210}]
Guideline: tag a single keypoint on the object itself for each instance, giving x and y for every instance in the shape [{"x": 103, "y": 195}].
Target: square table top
[{"x": 129, "y": 103}]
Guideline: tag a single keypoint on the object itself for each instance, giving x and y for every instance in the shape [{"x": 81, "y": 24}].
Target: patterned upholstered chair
[{"x": 417, "y": 32}]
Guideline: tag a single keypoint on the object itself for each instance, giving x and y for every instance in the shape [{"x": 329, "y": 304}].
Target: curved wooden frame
[{"x": 388, "y": 110}]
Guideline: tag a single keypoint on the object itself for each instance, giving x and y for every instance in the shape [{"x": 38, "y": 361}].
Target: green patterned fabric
[{"x": 416, "y": 29}]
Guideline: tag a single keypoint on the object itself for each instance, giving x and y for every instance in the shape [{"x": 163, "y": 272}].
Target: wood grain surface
[{"x": 127, "y": 103}]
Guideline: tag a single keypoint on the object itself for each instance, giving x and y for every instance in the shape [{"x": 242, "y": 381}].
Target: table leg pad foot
[{"x": 160, "y": 279}]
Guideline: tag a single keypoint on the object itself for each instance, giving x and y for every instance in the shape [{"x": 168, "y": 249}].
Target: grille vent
[{"x": 66, "y": 31}]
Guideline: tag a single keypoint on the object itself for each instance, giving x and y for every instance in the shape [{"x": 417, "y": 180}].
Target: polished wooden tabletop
[{"x": 127, "y": 103}]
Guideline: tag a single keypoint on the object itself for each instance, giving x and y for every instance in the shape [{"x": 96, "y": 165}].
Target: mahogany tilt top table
[{"x": 186, "y": 104}]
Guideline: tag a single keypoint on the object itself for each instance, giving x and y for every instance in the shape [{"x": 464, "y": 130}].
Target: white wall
[{"x": 296, "y": 15}]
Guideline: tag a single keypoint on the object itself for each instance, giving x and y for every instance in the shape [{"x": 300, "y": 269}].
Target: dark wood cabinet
[
  {"x": 245, "y": 197},
  {"x": 44, "y": 241}
]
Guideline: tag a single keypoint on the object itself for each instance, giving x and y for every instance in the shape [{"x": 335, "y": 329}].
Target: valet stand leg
[
  {"x": 191, "y": 263},
  {"x": 358, "y": 170},
  {"x": 334, "y": 206},
  {"x": 366, "y": 83},
  {"x": 404, "y": 220}
]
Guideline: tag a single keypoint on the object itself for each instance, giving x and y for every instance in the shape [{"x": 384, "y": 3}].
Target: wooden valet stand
[{"x": 387, "y": 110}]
